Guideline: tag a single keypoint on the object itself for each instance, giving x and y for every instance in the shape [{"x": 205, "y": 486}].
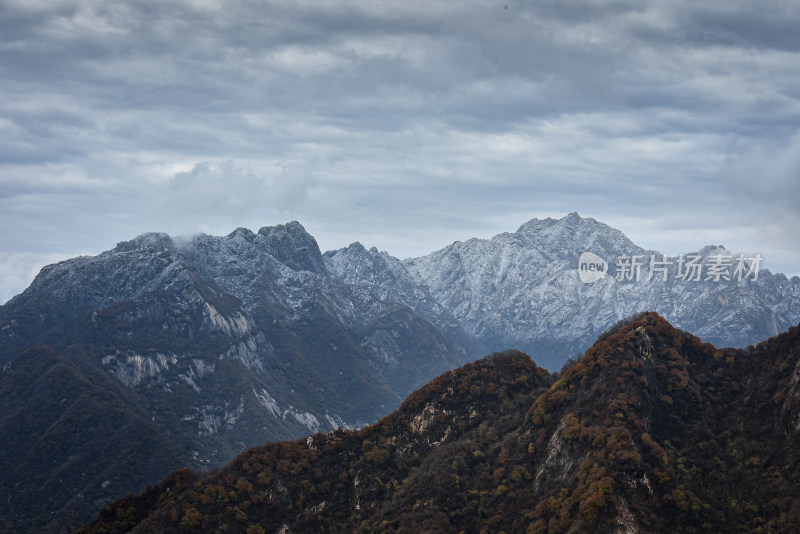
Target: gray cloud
[
  {"x": 764, "y": 179},
  {"x": 404, "y": 125},
  {"x": 767, "y": 172},
  {"x": 226, "y": 188}
]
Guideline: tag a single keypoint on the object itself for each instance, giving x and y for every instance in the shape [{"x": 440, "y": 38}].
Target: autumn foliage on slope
[{"x": 650, "y": 431}]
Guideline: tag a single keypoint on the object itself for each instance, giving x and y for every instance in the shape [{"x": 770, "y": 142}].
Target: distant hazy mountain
[
  {"x": 521, "y": 290},
  {"x": 652, "y": 430}
]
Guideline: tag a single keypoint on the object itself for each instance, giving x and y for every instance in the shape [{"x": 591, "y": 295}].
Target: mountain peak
[
  {"x": 154, "y": 240},
  {"x": 294, "y": 247},
  {"x": 570, "y": 220},
  {"x": 574, "y": 216},
  {"x": 710, "y": 250},
  {"x": 357, "y": 247},
  {"x": 292, "y": 227},
  {"x": 243, "y": 233}
]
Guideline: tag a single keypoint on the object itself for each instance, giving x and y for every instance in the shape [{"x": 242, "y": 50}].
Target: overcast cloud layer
[{"x": 403, "y": 125}]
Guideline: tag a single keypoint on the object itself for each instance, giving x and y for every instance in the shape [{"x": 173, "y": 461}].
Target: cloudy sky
[{"x": 404, "y": 125}]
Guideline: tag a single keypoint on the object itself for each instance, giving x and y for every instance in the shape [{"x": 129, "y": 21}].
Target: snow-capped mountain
[
  {"x": 390, "y": 279},
  {"x": 213, "y": 344},
  {"x": 163, "y": 313},
  {"x": 522, "y": 290}
]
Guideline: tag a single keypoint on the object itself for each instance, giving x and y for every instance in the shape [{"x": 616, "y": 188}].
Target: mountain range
[
  {"x": 522, "y": 290},
  {"x": 652, "y": 430},
  {"x": 172, "y": 352}
]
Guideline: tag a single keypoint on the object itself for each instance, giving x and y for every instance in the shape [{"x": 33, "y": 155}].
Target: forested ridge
[{"x": 651, "y": 430}]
